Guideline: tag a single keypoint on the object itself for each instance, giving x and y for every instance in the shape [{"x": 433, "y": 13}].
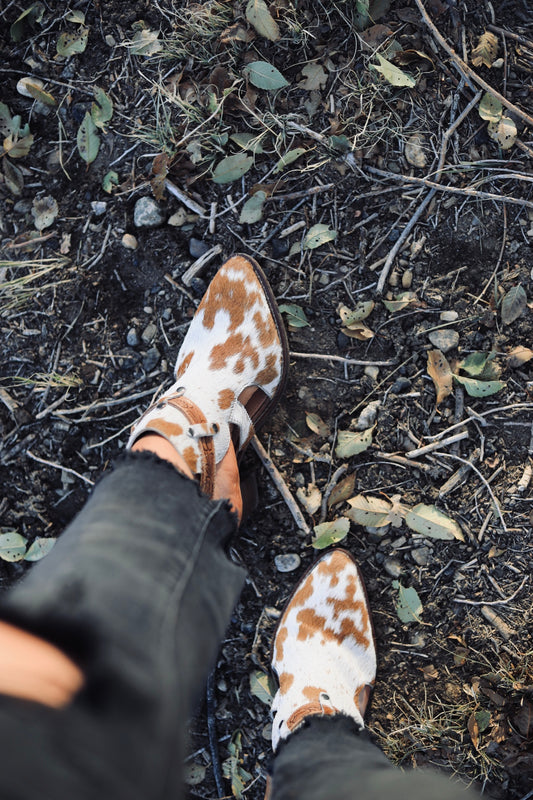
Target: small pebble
[
  {"x": 417, "y": 639},
  {"x": 287, "y": 562},
  {"x": 279, "y": 247},
  {"x": 372, "y": 372},
  {"x": 198, "y": 287},
  {"x": 197, "y": 247},
  {"x": 444, "y": 340},
  {"x": 148, "y": 310},
  {"x": 393, "y": 567},
  {"x": 129, "y": 241},
  {"x": 149, "y": 333},
  {"x": 399, "y": 542},
  {"x": 449, "y": 316},
  {"x": 132, "y": 338},
  {"x": 147, "y": 213},
  {"x": 178, "y": 219},
  {"x": 421, "y": 556},
  {"x": 377, "y": 531},
  {"x": 343, "y": 341},
  {"x": 394, "y": 279},
  {"x": 400, "y": 385},
  {"x": 151, "y": 359},
  {"x": 407, "y": 279},
  {"x": 98, "y": 207}
]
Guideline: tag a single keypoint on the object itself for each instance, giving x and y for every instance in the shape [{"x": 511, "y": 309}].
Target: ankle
[{"x": 156, "y": 444}]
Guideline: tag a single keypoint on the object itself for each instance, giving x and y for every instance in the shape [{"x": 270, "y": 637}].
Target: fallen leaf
[
  {"x": 33, "y": 87},
  {"x": 342, "y": 490},
  {"x": 310, "y": 498},
  {"x": 441, "y": 374},
  {"x": 315, "y": 77},
  {"x": 13, "y": 177},
  {"x": 490, "y": 108},
  {"x": 295, "y": 315},
  {"x": 329, "y": 533},
  {"x": 478, "y": 388},
  {"x": 523, "y": 719},
  {"x": 28, "y": 17},
  {"x": 248, "y": 141},
  {"x": 193, "y": 773},
  {"x": 39, "y": 548},
  {"x": 264, "y": 76},
  {"x": 101, "y": 109},
  {"x": 430, "y": 672},
  {"x": 415, "y": 150},
  {"x": 376, "y": 35},
  {"x": 87, "y": 139},
  {"x": 513, "y": 304},
  {"x": 259, "y": 16},
  {"x": 432, "y": 523},
  {"x": 392, "y": 74},
  {"x": 236, "y": 33},
  {"x": 408, "y": 606},
  {"x": 318, "y": 235},
  {"x": 503, "y": 132},
  {"x": 12, "y": 546},
  {"x": 359, "y": 313},
  {"x": 109, "y": 180},
  {"x": 475, "y": 363},
  {"x": 262, "y": 686},
  {"x": 400, "y": 302},
  {"x": 358, "y": 330},
  {"x": 485, "y": 51},
  {"x": 44, "y": 211},
  {"x": 252, "y": 210},
  {"x": 518, "y": 356},
  {"x": 288, "y": 158},
  {"x": 473, "y": 729},
  {"x": 68, "y": 44},
  {"x": 351, "y": 443},
  {"x": 317, "y": 424},
  {"x": 397, "y": 511},
  {"x": 145, "y": 43},
  {"x": 369, "y": 511},
  {"x": 232, "y": 168}
]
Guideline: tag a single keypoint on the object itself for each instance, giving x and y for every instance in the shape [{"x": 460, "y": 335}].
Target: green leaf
[
  {"x": 477, "y": 388},
  {"x": 39, "y": 548},
  {"x": 503, "y": 132},
  {"x": 145, "y": 43},
  {"x": 88, "y": 139},
  {"x": 340, "y": 143},
  {"x": 317, "y": 236},
  {"x": 328, "y": 533},
  {"x": 232, "y": 168},
  {"x": 295, "y": 315},
  {"x": 77, "y": 17},
  {"x": 401, "y": 301},
  {"x": 351, "y": 443},
  {"x": 32, "y": 15},
  {"x": 259, "y": 16},
  {"x": 377, "y": 8},
  {"x": 232, "y": 766},
  {"x": 193, "y": 773},
  {"x": 288, "y": 158},
  {"x": 361, "y": 18},
  {"x": 362, "y": 310},
  {"x": 38, "y": 93},
  {"x": 514, "y": 304},
  {"x": 483, "y": 719},
  {"x": 264, "y": 76},
  {"x": 393, "y": 74},
  {"x": 474, "y": 363},
  {"x": 369, "y": 511},
  {"x": 409, "y": 606},
  {"x": 262, "y": 686},
  {"x": 432, "y": 523},
  {"x": 110, "y": 179},
  {"x": 490, "y": 108},
  {"x": 102, "y": 109},
  {"x": 12, "y": 546},
  {"x": 17, "y": 148},
  {"x": 6, "y": 121},
  {"x": 248, "y": 141},
  {"x": 252, "y": 210},
  {"x": 68, "y": 44}
]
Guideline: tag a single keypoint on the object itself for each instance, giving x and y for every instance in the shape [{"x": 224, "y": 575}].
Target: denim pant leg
[
  {"x": 138, "y": 591},
  {"x": 331, "y": 758}
]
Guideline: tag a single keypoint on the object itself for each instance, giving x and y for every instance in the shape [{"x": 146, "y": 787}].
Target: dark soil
[{"x": 465, "y": 254}]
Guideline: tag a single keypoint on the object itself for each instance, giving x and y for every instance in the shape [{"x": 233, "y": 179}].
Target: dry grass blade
[{"x": 17, "y": 291}]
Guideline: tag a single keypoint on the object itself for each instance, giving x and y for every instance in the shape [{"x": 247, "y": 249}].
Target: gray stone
[
  {"x": 444, "y": 340},
  {"x": 98, "y": 207},
  {"x": 149, "y": 333},
  {"x": 449, "y": 316},
  {"x": 287, "y": 562},
  {"x": 393, "y": 567},
  {"x": 147, "y": 213},
  {"x": 197, "y": 247},
  {"x": 421, "y": 556},
  {"x": 151, "y": 359},
  {"x": 132, "y": 338}
]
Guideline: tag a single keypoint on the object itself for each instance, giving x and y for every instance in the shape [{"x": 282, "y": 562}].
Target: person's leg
[
  {"x": 137, "y": 593},
  {"x": 325, "y": 659}
]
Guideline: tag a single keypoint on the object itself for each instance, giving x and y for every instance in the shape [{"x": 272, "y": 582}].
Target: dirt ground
[{"x": 93, "y": 307}]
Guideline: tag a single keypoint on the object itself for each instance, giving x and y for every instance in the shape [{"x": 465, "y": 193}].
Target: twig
[
  {"x": 342, "y": 360},
  {"x": 491, "y": 616},
  {"x": 428, "y": 448},
  {"x": 199, "y": 264},
  {"x": 404, "y": 462},
  {"x": 468, "y": 74},
  {"x": 59, "y": 466},
  {"x": 328, "y": 490},
  {"x": 65, "y": 412},
  {"x": 484, "y": 480},
  {"x": 510, "y": 35},
  {"x": 458, "y": 477},
  {"x": 212, "y": 733},
  {"x": 478, "y": 418},
  {"x": 502, "y": 602},
  {"x": 185, "y": 199},
  {"x": 327, "y": 187},
  {"x": 281, "y": 486}
]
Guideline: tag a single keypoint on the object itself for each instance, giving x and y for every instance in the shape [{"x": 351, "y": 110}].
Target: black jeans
[{"x": 138, "y": 591}]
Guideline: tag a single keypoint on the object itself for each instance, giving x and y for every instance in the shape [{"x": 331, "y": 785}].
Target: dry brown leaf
[
  {"x": 342, "y": 491},
  {"x": 415, "y": 150},
  {"x": 440, "y": 373},
  {"x": 310, "y": 498},
  {"x": 485, "y": 51},
  {"x": 236, "y": 33},
  {"x": 317, "y": 424},
  {"x": 376, "y": 35},
  {"x": 473, "y": 729},
  {"x": 358, "y": 330},
  {"x": 518, "y": 356},
  {"x": 314, "y": 77}
]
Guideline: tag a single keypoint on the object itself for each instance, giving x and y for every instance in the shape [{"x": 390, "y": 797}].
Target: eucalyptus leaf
[
  {"x": 513, "y": 304},
  {"x": 295, "y": 315},
  {"x": 392, "y": 74},
  {"x": 350, "y": 443},
  {"x": 87, "y": 139},
  {"x": 232, "y": 168},
  {"x": 318, "y": 235},
  {"x": 102, "y": 109},
  {"x": 329, "y": 533},
  {"x": 288, "y": 158},
  {"x": 432, "y": 523},
  {"x": 29, "y": 17},
  {"x": 252, "y": 210},
  {"x": 39, "y": 548},
  {"x": 145, "y": 43},
  {"x": 12, "y": 546},
  {"x": 490, "y": 108},
  {"x": 68, "y": 44},
  {"x": 408, "y": 606},
  {"x": 259, "y": 16},
  {"x": 262, "y": 686},
  {"x": 264, "y": 75},
  {"x": 110, "y": 179},
  {"x": 369, "y": 511},
  {"x": 478, "y": 388}
]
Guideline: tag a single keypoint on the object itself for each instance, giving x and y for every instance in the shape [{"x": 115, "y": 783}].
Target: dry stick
[
  {"x": 342, "y": 360},
  {"x": 59, "y": 466},
  {"x": 502, "y": 602},
  {"x": 478, "y": 418},
  {"x": 402, "y": 461},
  {"x": 305, "y": 193},
  {"x": 198, "y": 265},
  {"x": 468, "y": 74},
  {"x": 515, "y": 36},
  {"x": 428, "y": 448},
  {"x": 484, "y": 480},
  {"x": 281, "y": 486},
  {"x": 64, "y": 412},
  {"x": 185, "y": 199},
  {"x": 328, "y": 490}
]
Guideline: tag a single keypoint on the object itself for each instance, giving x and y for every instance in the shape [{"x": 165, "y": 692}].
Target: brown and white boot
[
  {"x": 230, "y": 372},
  {"x": 324, "y": 651}
]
